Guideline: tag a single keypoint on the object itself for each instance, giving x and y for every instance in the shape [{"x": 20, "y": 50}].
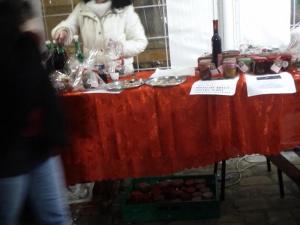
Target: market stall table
[{"x": 150, "y": 131}]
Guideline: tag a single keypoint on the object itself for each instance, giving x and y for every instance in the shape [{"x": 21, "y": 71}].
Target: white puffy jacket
[{"x": 122, "y": 25}]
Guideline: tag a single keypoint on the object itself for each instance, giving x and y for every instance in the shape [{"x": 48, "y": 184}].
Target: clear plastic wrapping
[
  {"x": 80, "y": 76},
  {"x": 91, "y": 71}
]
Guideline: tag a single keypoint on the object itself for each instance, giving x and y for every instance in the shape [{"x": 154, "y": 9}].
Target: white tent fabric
[
  {"x": 190, "y": 30},
  {"x": 257, "y": 22},
  {"x": 294, "y": 46}
]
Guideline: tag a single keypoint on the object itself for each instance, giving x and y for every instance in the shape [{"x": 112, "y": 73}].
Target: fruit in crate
[
  {"x": 190, "y": 189},
  {"x": 140, "y": 197},
  {"x": 171, "y": 190},
  {"x": 144, "y": 187},
  {"x": 197, "y": 194},
  {"x": 185, "y": 196},
  {"x": 189, "y": 182},
  {"x": 177, "y": 182},
  {"x": 207, "y": 195}
]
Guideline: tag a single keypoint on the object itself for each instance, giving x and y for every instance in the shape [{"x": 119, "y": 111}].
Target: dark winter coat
[{"x": 31, "y": 123}]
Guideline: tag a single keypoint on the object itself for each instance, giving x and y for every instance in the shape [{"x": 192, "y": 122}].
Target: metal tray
[
  {"x": 124, "y": 84},
  {"x": 115, "y": 86},
  {"x": 165, "y": 81},
  {"x": 133, "y": 83}
]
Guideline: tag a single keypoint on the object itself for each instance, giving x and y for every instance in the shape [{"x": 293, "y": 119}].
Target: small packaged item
[
  {"x": 61, "y": 82},
  {"x": 86, "y": 75},
  {"x": 91, "y": 79}
]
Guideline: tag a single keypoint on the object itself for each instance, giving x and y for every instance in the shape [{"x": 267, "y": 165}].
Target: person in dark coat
[{"x": 31, "y": 127}]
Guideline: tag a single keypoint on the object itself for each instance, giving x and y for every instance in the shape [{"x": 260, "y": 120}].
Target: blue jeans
[{"x": 44, "y": 188}]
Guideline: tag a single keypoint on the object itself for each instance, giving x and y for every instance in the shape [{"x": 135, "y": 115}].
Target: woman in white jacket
[{"x": 101, "y": 20}]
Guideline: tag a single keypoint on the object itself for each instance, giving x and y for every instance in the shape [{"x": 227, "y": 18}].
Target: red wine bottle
[{"x": 216, "y": 44}]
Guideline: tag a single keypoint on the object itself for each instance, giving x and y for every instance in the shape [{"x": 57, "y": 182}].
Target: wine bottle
[
  {"x": 60, "y": 57},
  {"x": 49, "y": 57},
  {"x": 49, "y": 45},
  {"x": 102, "y": 73},
  {"x": 216, "y": 44},
  {"x": 78, "y": 53}
]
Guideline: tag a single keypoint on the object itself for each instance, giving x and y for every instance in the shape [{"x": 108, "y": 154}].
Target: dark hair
[
  {"x": 27, "y": 11},
  {"x": 10, "y": 14},
  {"x": 13, "y": 13},
  {"x": 117, "y": 4}
]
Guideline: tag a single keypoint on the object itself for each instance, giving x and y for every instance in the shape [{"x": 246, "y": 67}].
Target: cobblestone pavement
[{"x": 251, "y": 198}]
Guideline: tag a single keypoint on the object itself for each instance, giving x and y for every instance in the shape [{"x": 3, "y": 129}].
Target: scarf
[{"x": 99, "y": 8}]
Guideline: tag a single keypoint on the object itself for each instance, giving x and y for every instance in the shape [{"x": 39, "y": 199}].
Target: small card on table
[
  {"x": 215, "y": 87},
  {"x": 281, "y": 83}
]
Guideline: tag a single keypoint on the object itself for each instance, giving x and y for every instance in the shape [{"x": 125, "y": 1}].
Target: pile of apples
[{"x": 171, "y": 190}]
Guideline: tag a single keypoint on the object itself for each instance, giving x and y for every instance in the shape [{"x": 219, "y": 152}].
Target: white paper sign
[
  {"x": 215, "y": 87},
  {"x": 282, "y": 83},
  {"x": 186, "y": 71}
]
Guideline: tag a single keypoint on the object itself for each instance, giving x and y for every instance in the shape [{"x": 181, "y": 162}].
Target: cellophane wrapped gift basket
[{"x": 80, "y": 72}]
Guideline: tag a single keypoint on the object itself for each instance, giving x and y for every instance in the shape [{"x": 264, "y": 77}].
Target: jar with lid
[
  {"x": 260, "y": 65},
  {"x": 279, "y": 62},
  {"x": 271, "y": 60},
  {"x": 286, "y": 60},
  {"x": 204, "y": 69},
  {"x": 229, "y": 68},
  {"x": 230, "y": 54},
  {"x": 244, "y": 64}
]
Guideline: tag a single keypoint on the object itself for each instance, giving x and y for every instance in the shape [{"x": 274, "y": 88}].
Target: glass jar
[
  {"x": 244, "y": 64},
  {"x": 229, "y": 68},
  {"x": 204, "y": 66},
  {"x": 260, "y": 65},
  {"x": 230, "y": 54},
  {"x": 287, "y": 61},
  {"x": 281, "y": 62}
]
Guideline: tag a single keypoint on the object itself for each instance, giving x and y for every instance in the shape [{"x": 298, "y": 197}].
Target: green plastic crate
[{"x": 162, "y": 211}]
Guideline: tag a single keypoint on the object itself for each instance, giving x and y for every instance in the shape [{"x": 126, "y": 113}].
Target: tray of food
[
  {"x": 124, "y": 84},
  {"x": 133, "y": 83},
  {"x": 165, "y": 81},
  {"x": 115, "y": 86}
]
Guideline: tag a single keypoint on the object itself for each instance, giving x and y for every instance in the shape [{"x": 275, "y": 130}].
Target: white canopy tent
[{"x": 257, "y": 22}]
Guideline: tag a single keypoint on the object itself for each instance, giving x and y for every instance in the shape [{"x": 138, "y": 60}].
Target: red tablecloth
[{"x": 155, "y": 131}]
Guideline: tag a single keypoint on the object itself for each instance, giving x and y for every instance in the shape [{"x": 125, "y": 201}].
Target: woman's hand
[{"x": 61, "y": 37}]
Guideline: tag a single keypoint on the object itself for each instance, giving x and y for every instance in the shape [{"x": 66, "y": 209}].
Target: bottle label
[{"x": 92, "y": 80}]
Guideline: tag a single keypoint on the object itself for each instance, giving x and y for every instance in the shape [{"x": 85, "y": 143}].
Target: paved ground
[{"x": 252, "y": 198}]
